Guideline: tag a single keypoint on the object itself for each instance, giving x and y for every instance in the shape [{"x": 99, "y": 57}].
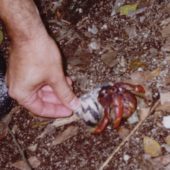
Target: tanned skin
[{"x": 35, "y": 75}]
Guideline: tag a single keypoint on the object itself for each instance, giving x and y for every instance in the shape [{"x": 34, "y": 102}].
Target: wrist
[
  {"x": 22, "y": 21},
  {"x": 27, "y": 35}
]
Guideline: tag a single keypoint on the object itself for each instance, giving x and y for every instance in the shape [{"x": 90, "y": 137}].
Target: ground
[{"x": 101, "y": 41}]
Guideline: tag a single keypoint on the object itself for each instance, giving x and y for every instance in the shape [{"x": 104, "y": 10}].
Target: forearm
[{"x": 21, "y": 19}]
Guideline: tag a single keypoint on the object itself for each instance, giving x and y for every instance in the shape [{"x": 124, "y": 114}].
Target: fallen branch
[
  {"x": 129, "y": 136},
  {"x": 20, "y": 150},
  {"x": 57, "y": 123}
]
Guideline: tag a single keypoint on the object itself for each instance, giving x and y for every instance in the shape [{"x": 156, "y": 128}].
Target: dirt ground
[{"x": 101, "y": 41}]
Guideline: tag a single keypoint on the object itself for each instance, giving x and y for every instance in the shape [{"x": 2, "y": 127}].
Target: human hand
[{"x": 36, "y": 80}]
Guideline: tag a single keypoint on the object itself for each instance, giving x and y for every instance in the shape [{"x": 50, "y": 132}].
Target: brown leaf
[
  {"x": 34, "y": 162},
  {"x": 68, "y": 133},
  {"x": 151, "y": 147},
  {"x": 152, "y": 74},
  {"x": 3, "y": 130},
  {"x": 123, "y": 132},
  {"x": 109, "y": 58},
  {"x": 143, "y": 113},
  {"x": 164, "y": 160},
  {"x": 166, "y": 31},
  {"x": 164, "y": 107},
  {"x": 81, "y": 58},
  {"x": 137, "y": 63}
]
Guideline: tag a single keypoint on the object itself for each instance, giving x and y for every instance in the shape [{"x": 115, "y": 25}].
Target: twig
[
  {"x": 6, "y": 119},
  {"x": 57, "y": 123},
  {"x": 129, "y": 136},
  {"x": 20, "y": 150}
]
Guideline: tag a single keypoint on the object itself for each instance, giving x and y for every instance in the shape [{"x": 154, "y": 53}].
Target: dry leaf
[
  {"x": 39, "y": 124},
  {"x": 167, "y": 140},
  {"x": 81, "y": 58},
  {"x": 34, "y": 162},
  {"x": 21, "y": 165},
  {"x": 137, "y": 63},
  {"x": 123, "y": 132},
  {"x": 164, "y": 160},
  {"x": 128, "y": 9},
  {"x": 1, "y": 36},
  {"x": 165, "y": 97},
  {"x": 164, "y": 107},
  {"x": 68, "y": 133},
  {"x": 143, "y": 113},
  {"x": 109, "y": 58},
  {"x": 3, "y": 130},
  {"x": 57, "y": 123},
  {"x": 152, "y": 74},
  {"x": 166, "y": 31},
  {"x": 151, "y": 147}
]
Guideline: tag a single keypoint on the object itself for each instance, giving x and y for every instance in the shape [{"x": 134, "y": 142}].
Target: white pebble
[
  {"x": 133, "y": 119},
  {"x": 126, "y": 157},
  {"x": 166, "y": 122}
]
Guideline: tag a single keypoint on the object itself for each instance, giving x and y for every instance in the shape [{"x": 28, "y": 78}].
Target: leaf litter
[{"x": 141, "y": 36}]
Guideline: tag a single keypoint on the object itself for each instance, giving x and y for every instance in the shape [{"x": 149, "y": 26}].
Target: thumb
[{"x": 65, "y": 94}]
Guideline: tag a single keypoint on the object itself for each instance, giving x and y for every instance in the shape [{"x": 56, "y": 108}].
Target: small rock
[
  {"x": 133, "y": 119},
  {"x": 33, "y": 148},
  {"x": 94, "y": 46},
  {"x": 167, "y": 140},
  {"x": 166, "y": 122},
  {"x": 151, "y": 147},
  {"x": 104, "y": 27},
  {"x": 93, "y": 29},
  {"x": 126, "y": 157}
]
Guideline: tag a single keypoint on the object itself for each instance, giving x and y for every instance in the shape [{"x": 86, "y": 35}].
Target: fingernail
[{"x": 74, "y": 104}]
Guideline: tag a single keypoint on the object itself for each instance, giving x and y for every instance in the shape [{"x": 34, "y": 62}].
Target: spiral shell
[{"x": 90, "y": 110}]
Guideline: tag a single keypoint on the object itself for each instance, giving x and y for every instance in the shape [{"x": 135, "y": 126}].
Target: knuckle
[
  {"x": 67, "y": 96},
  {"x": 14, "y": 93}
]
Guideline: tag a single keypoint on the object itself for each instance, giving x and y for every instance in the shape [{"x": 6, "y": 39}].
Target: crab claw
[
  {"x": 129, "y": 104},
  {"x": 103, "y": 123},
  {"x": 118, "y": 110}
]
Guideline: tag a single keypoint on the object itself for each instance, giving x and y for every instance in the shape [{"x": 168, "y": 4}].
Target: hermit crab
[{"x": 110, "y": 103}]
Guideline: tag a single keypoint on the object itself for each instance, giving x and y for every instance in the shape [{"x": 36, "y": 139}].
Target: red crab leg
[
  {"x": 118, "y": 110},
  {"x": 131, "y": 87},
  {"x": 103, "y": 123},
  {"x": 129, "y": 104}
]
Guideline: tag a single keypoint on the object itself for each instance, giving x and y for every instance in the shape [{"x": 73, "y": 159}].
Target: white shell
[{"x": 90, "y": 110}]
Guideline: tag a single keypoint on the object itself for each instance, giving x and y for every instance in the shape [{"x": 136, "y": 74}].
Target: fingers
[
  {"x": 64, "y": 92},
  {"x": 48, "y": 96},
  {"x": 49, "y": 88},
  {"x": 46, "y": 109}
]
